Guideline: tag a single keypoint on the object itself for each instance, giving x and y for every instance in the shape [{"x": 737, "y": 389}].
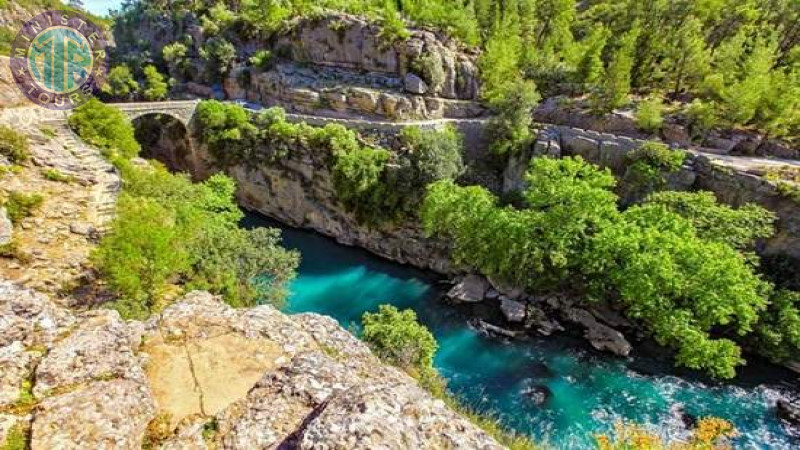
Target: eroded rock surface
[{"x": 217, "y": 376}]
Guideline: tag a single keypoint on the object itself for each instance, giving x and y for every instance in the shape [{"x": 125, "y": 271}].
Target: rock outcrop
[
  {"x": 6, "y": 227},
  {"x": 216, "y": 376}
]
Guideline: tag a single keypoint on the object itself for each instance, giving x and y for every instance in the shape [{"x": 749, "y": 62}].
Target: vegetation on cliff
[
  {"x": 170, "y": 231},
  {"x": 674, "y": 262},
  {"x": 375, "y": 184}
]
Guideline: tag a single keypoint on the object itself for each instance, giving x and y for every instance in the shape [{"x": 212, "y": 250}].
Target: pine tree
[
  {"x": 617, "y": 84},
  {"x": 687, "y": 60},
  {"x": 590, "y": 67}
]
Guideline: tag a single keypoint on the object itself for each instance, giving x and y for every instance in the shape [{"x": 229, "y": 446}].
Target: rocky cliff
[
  {"x": 336, "y": 64},
  {"x": 202, "y": 375}
]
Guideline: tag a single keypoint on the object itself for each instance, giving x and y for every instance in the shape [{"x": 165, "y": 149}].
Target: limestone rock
[
  {"x": 389, "y": 416},
  {"x": 471, "y": 289},
  {"x": 81, "y": 228},
  {"x": 16, "y": 365},
  {"x": 414, "y": 84},
  {"x": 602, "y": 337},
  {"x": 513, "y": 310},
  {"x": 789, "y": 410},
  {"x": 6, "y": 227},
  {"x": 108, "y": 415},
  {"x": 30, "y": 317},
  {"x": 102, "y": 346}
]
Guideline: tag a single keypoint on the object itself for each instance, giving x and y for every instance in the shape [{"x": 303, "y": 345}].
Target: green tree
[
  {"x": 106, "y": 127},
  {"x": 590, "y": 67},
  {"x": 155, "y": 88},
  {"x": 650, "y": 115},
  {"x": 513, "y": 105},
  {"x": 397, "y": 337},
  {"x": 687, "y": 61},
  {"x": 713, "y": 221},
  {"x": 120, "y": 83},
  {"x": 613, "y": 92},
  {"x": 219, "y": 55},
  {"x": 680, "y": 286},
  {"x": 435, "y": 154},
  {"x": 140, "y": 255},
  {"x": 777, "y": 334}
]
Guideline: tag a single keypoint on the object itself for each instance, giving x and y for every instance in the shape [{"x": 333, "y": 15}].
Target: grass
[
  {"x": 57, "y": 175},
  {"x": 18, "y": 438},
  {"x": 157, "y": 431},
  {"x": 14, "y": 250},
  {"x": 20, "y": 205},
  {"x": 48, "y": 131}
]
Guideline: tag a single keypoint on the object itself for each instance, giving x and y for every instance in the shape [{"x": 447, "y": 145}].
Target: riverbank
[{"x": 557, "y": 389}]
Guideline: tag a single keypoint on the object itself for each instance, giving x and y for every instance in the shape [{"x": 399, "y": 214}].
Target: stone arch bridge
[{"x": 182, "y": 110}]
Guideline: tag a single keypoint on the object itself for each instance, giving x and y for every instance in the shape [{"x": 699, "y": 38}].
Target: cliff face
[
  {"x": 206, "y": 376},
  {"x": 337, "y": 65},
  {"x": 298, "y": 190}
]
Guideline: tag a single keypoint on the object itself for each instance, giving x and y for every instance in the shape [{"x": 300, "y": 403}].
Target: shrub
[
  {"x": 777, "y": 334},
  {"x": 57, "y": 175},
  {"x": 121, "y": 83},
  {"x": 13, "y": 145},
  {"x": 709, "y": 433},
  {"x": 106, "y": 127},
  {"x": 261, "y": 59},
  {"x": 649, "y": 115},
  {"x": 155, "y": 88},
  {"x": 47, "y": 131},
  {"x": 429, "y": 67},
  {"x": 18, "y": 437},
  {"x": 169, "y": 230},
  {"x": 398, "y": 338},
  {"x": 648, "y": 168},
  {"x": 435, "y": 154},
  {"x": 20, "y": 205},
  {"x": 513, "y": 105}
]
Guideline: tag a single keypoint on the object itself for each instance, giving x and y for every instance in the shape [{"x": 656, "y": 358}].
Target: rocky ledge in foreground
[{"x": 203, "y": 375}]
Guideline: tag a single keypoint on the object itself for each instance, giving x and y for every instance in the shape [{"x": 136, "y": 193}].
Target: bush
[
  {"x": 777, "y": 334},
  {"x": 13, "y": 145},
  {"x": 171, "y": 231},
  {"x": 20, "y": 205},
  {"x": 435, "y": 154},
  {"x": 105, "y": 127},
  {"x": 709, "y": 433},
  {"x": 57, "y": 175},
  {"x": 648, "y": 168},
  {"x": 261, "y": 59},
  {"x": 121, "y": 83},
  {"x": 737, "y": 227},
  {"x": 513, "y": 105},
  {"x": 155, "y": 88},
  {"x": 649, "y": 115},
  {"x": 396, "y": 336},
  {"x": 430, "y": 69}
]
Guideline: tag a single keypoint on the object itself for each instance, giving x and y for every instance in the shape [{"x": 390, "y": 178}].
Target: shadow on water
[{"x": 556, "y": 389}]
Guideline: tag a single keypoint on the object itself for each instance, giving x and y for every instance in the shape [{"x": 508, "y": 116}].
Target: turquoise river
[{"x": 586, "y": 392}]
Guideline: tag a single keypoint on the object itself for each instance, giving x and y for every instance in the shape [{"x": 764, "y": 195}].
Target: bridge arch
[{"x": 165, "y": 138}]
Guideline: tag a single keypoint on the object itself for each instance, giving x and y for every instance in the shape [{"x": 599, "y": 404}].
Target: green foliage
[
  {"x": 357, "y": 176},
  {"x": 18, "y": 438},
  {"x": 169, "y": 230},
  {"x": 57, "y": 175},
  {"x": 397, "y": 337},
  {"x": 13, "y": 145},
  {"x": 648, "y": 168},
  {"x": 703, "y": 117},
  {"x": 155, "y": 88},
  {"x": 537, "y": 247},
  {"x": 219, "y": 55},
  {"x": 429, "y": 67},
  {"x": 613, "y": 91},
  {"x": 673, "y": 264},
  {"x": 777, "y": 333},
  {"x": 737, "y": 227},
  {"x": 121, "y": 83},
  {"x": 105, "y": 127},
  {"x": 649, "y": 115},
  {"x": 435, "y": 154},
  {"x": 20, "y": 205},
  {"x": 142, "y": 253},
  {"x": 679, "y": 285},
  {"x": 261, "y": 59},
  {"x": 511, "y": 126}
]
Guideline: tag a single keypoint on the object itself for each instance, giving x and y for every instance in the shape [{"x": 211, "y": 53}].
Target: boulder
[
  {"x": 789, "y": 410},
  {"x": 537, "y": 394},
  {"x": 81, "y": 228},
  {"x": 414, "y": 84},
  {"x": 16, "y": 365},
  {"x": 513, "y": 310},
  {"x": 6, "y": 227},
  {"x": 471, "y": 289},
  {"x": 602, "y": 337},
  {"x": 105, "y": 415}
]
